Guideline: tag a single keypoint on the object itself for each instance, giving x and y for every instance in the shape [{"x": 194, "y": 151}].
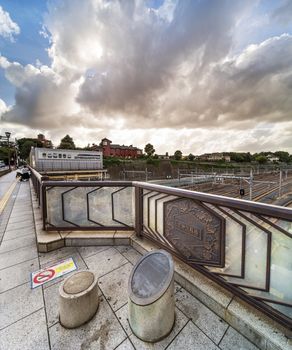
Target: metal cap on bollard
[{"x": 151, "y": 296}]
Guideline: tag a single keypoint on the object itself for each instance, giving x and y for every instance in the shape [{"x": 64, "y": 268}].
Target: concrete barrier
[
  {"x": 151, "y": 296},
  {"x": 78, "y": 299}
]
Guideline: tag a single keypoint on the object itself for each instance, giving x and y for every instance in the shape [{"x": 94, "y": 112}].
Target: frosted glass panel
[
  {"x": 54, "y": 206},
  {"x": 255, "y": 256},
  {"x": 233, "y": 245},
  {"x": 89, "y": 207},
  {"x": 75, "y": 206}
]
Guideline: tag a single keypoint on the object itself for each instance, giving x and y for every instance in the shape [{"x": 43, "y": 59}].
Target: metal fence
[{"x": 244, "y": 246}]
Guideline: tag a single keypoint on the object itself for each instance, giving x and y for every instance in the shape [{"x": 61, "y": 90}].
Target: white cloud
[
  {"x": 166, "y": 75},
  {"x": 8, "y": 28}
]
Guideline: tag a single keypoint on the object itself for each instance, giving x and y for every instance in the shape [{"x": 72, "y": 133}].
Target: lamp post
[{"x": 7, "y": 134}]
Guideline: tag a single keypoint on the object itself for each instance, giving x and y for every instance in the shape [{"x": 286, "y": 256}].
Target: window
[
  {"x": 64, "y": 155},
  {"x": 60, "y": 155},
  {"x": 44, "y": 155},
  {"x": 104, "y": 143},
  {"x": 55, "y": 155},
  {"x": 49, "y": 155},
  {"x": 69, "y": 155}
]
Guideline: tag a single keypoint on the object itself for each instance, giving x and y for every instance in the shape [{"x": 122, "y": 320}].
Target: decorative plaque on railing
[{"x": 195, "y": 231}]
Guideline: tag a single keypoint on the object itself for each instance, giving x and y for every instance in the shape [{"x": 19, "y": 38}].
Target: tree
[
  {"x": 149, "y": 150},
  {"x": 283, "y": 156},
  {"x": 177, "y": 155},
  {"x": 261, "y": 159},
  {"x": 191, "y": 157},
  {"x": 67, "y": 143},
  {"x": 24, "y": 145}
]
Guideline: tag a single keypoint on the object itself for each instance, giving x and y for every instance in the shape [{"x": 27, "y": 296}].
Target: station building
[{"x": 48, "y": 159}]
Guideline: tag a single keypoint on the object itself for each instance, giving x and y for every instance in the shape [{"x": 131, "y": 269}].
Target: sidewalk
[{"x": 29, "y": 318}]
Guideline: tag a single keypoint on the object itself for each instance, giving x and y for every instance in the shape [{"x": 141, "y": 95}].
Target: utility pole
[
  {"x": 8, "y": 136},
  {"x": 280, "y": 183},
  {"x": 250, "y": 184}
]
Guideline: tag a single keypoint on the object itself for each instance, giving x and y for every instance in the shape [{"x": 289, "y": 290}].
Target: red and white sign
[{"x": 50, "y": 273}]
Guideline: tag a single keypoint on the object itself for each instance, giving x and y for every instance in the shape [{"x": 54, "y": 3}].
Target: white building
[{"x": 48, "y": 159}]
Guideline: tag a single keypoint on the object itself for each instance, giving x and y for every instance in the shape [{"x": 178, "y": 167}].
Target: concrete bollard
[
  {"x": 151, "y": 296},
  {"x": 78, "y": 299}
]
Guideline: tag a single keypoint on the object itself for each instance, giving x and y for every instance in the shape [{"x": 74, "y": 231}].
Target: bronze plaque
[{"x": 195, "y": 231}]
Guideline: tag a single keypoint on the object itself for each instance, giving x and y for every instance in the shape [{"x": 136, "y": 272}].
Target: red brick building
[{"x": 110, "y": 149}]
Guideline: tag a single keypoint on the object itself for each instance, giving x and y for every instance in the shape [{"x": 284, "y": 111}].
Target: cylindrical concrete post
[
  {"x": 151, "y": 296},
  {"x": 78, "y": 299}
]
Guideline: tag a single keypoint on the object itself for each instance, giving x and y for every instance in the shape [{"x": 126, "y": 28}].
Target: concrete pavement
[{"x": 29, "y": 318}]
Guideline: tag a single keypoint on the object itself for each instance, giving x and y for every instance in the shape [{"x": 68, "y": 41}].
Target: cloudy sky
[{"x": 198, "y": 75}]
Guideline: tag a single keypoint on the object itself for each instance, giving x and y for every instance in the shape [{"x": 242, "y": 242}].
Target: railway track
[{"x": 264, "y": 192}]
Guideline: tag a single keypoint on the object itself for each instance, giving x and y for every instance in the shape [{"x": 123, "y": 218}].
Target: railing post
[
  {"x": 43, "y": 200},
  {"x": 138, "y": 211}
]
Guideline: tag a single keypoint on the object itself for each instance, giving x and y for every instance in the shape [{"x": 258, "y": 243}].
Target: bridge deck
[{"x": 29, "y": 317}]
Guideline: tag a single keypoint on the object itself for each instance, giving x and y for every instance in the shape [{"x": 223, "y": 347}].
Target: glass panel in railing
[
  {"x": 160, "y": 211},
  {"x": 54, "y": 206},
  {"x": 75, "y": 206},
  {"x": 153, "y": 202},
  {"x": 104, "y": 205},
  {"x": 255, "y": 254},
  {"x": 234, "y": 239},
  {"x": 146, "y": 198},
  {"x": 284, "y": 224},
  {"x": 123, "y": 206},
  {"x": 281, "y": 261}
]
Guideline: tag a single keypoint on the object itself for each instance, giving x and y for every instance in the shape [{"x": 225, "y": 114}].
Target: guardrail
[{"x": 244, "y": 246}]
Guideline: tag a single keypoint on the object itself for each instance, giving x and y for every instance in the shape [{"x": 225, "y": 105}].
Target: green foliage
[
  {"x": 4, "y": 154},
  {"x": 24, "y": 146},
  {"x": 67, "y": 143},
  {"x": 152, "y": 161},
  {"x": 283, "y": 156},
  {"x": 177, "y": 155},
  {"x": 149, "y": 149},
  {"x": 261, "y": 159},
  {"x": 191, "y": 157},
  {"x": 110, "y": 161}
]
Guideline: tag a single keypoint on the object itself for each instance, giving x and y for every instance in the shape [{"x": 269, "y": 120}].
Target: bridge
[{"x": 232, "y": 260}]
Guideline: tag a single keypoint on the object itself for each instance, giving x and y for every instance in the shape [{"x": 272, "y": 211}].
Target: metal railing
[{"x": 244, "y": 246}]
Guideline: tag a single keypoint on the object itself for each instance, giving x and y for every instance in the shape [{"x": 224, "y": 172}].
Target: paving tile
[
  {"x": 129, "y": 253},
  {"x": 19, "y": 226},
  {"x": 21, "y": 219},
  {"x": 123, "y": 317},
  {"x": 105, "y": 261},
  {"x": 19, "y": 255},
  {"x": 18, "y": 303},
  {"x": 79, "y": 263},
  {"x": 85, "y": 252},
  {"x": 114, "y": 286},
  {"x": 16, "y": 243},
  {"x": 212, "y": 325},
  {"x": 192, "y": 338},
  {"x": 30, "y": 333},
  {"x": 126, "y": 345},
  {"x": 56, "y": 255},
  {"x": 103, "y": 332},
  {"x": 18, "y": 274},
  {"x": 18, "y": 233},
  {"x": 180, "y": 322},
  {"x": 233, "y": 340}
]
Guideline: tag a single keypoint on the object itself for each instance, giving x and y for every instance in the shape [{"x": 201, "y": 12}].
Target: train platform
[{"x": 29, "y": 317}]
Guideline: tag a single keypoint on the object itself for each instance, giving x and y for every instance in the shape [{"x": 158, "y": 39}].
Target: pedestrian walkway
[{"x": 29, "y": 317}]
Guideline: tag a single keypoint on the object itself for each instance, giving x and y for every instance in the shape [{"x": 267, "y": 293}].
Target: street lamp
[{"x": 7, "y": 134}]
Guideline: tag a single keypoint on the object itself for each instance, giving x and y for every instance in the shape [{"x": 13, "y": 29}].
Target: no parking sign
[{"x": 50, "y": 273}]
